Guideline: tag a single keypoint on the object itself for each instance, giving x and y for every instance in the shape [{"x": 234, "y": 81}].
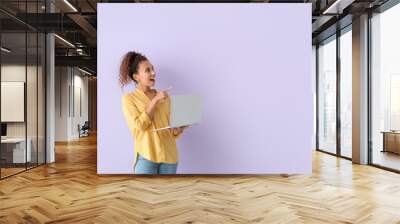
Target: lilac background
[{"x": 251, "y": 64}]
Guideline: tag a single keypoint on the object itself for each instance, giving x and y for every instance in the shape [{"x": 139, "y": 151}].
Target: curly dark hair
[{"x": 129, "y": 66}]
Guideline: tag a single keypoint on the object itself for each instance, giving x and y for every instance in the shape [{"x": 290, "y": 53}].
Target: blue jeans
[{"x": 144, "y": 166}]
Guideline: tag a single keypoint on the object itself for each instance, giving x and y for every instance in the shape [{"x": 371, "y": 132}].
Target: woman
[{"x": 146, "y": 109}]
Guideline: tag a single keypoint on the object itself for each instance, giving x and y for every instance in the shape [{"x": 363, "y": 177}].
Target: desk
[
  {"x": 13, "y": 150},
  {"x": 391, "y": 141}
]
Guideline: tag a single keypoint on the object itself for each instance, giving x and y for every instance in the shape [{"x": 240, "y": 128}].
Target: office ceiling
[{"x": 76, "y": 21}]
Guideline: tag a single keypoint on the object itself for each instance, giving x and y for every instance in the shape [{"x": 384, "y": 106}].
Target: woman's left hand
[{"x": 178, "y": 130}]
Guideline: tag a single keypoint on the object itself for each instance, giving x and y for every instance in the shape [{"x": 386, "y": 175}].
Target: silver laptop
[{"x": 185, "y": 110}]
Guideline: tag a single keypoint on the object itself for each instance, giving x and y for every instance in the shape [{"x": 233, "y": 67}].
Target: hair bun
[{"x": 129, "y": 66}]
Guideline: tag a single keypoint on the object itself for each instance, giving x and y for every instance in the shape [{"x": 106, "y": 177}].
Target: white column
[
  {"x": 360, "y": 90},
  {"x": 50, "y": 93}
]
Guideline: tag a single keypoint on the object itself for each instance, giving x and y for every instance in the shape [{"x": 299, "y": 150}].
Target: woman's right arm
[
  {"x": 161, "y": 95},
  {"x": 141, "y": 120}
]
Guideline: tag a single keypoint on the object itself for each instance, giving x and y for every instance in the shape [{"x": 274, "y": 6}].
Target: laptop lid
[{"x": 185, "y": 110}]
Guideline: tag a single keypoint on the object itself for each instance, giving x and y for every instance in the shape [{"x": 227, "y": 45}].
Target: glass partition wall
[
  {"x": 327, "y": 95},
  {"x": 22, "y": 88},
  {"x": 334, "y": 89},
  {"x": 345, "y": 62},
  {"x": 385, "y": 89}
]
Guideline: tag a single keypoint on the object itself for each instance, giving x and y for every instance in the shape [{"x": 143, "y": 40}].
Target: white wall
[
  {"x": 80, "y": 100},
  {"x": 61, "y": 103},
  {"x": 70, "y": 83}
]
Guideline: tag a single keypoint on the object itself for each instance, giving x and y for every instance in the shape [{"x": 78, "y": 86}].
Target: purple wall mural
[{"x": 250, "y": 63}]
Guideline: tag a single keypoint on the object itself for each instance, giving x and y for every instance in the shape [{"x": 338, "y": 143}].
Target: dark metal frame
[
  {"x": 338, "y": 98},
  {"x": 0, "y": 91},
  {"x": 317, "y": 98},
  {"x": 26, "y": 88},
  {"x": 37, "y": 91},
  {"x": 45, "y": 90},
  {"x": 369, "y": 91}
]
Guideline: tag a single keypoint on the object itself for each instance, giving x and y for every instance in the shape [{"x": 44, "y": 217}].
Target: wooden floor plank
[{"x": 70, "y": 191}]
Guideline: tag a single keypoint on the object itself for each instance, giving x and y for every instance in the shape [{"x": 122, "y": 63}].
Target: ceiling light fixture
[
  {"x": 70, "y": 5},
  {"x": 331, "y": 7},
  {"x": 5, "y": 49},
  {"x": 64, "y": 40},
  {"x": 337, "y": 7},
  {"x": 84, "y": 71}
]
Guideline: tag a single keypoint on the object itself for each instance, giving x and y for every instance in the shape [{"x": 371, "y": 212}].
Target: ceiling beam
[{"x": 82, "y": 61}]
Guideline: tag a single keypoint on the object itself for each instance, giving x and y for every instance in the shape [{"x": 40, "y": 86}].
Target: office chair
[{"x": 84, "y": 130}]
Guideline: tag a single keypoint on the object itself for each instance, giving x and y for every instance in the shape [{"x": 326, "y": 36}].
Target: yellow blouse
[{"x": 157, "y": 146}]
